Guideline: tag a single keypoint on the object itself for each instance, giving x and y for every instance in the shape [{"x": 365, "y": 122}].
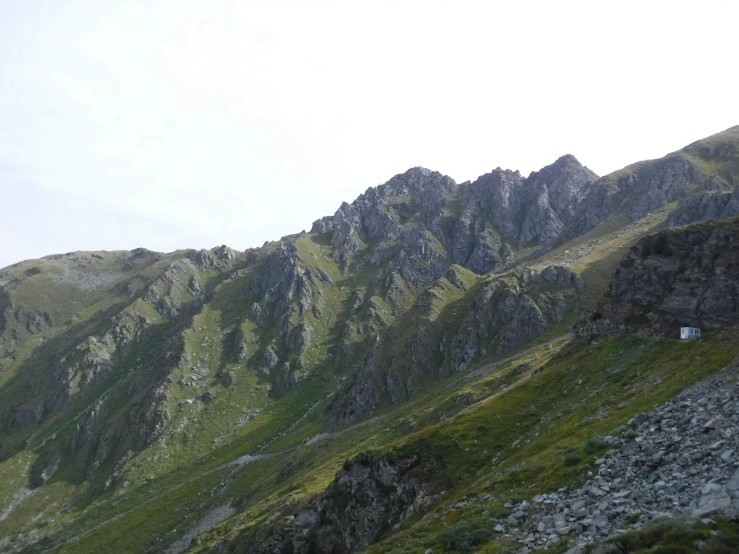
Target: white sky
[{"x": 174, "y": 123}]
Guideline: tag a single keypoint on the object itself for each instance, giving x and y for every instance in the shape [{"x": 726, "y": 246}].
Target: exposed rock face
[
  {"x": 553, "y": 195},
  {"x": 366, "y": 214},
  {"x": 287, "y": 291},
  {"x": 509, "y": 311},
  {"x": 685, "y": 276},
  {"x": 637, "y": 190},
  {"x": 704, "y": 205},
  {"x": 368, "y": 496},
  {"x": 361, "y": 395},
  {"x": 505, "y": 313},
  {"x": 240, "y": 345},
  {"x": 270, "y": 359},
  {"x": 420, "y": 217}
]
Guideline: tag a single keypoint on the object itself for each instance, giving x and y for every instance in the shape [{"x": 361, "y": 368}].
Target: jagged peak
[
  {"x": 499, "y": 176},
  {"x": 414, "y": 180},
  {"x": 566, "y": 158},
  {"x": 418, "y": 170},
  {"x": 417, "y": 179},
  {"x": 566, "y": 162}
]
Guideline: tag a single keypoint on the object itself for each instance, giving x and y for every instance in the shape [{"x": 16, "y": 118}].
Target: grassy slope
[
  {"x": 183, "y": 465},
  {"x": 182, "y": 477},
  {"x": 513, "y": 445},
  {"x": 703, "y": 154},
  {"x": 210, "y": 438},
  {"x": 551, "y": 407}
]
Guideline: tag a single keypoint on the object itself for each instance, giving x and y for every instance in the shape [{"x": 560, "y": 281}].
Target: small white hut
[{"x": 689, "y": 333}]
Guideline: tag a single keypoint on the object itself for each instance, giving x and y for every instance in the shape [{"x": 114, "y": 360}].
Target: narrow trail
[{"x": 482, "y": 371}]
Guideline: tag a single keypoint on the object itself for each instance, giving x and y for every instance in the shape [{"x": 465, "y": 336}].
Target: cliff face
[
  {"x": 704, "y": 205},
  {"x": 498, "y": 316},
  {"x": 686, "y": 276},
  {"x": 369, "y": 496},
  {"x": 636, "y": 190}
]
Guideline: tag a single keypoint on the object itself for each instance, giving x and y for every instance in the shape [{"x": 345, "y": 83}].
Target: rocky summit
[{"x": 487, "y": 366}]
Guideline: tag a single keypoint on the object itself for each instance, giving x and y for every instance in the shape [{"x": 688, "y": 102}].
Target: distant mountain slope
[{"x": 141, "y": 390}]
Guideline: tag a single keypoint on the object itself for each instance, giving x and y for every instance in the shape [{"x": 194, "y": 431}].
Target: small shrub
[
  {"x": 500, "y": 513},
  {"x": 572, "y": 457},
  {"x": 630, "y": 435},
  {"x": 467, "y": 535},
  {"x": 596, "y": 445}
]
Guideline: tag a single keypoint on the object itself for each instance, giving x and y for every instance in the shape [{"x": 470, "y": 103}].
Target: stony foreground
[{"x": 679, "y": 460}]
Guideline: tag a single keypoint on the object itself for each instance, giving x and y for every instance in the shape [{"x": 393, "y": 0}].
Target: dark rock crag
[
  {"x": 704, "y": 205},
  {"x": 368, "y": 496},
  {"x": 687, "y": 276},
  {"x": 503, "y": 314}
]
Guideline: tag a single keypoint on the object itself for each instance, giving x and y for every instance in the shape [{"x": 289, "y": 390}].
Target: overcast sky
[{"x": 172, "y": 123}]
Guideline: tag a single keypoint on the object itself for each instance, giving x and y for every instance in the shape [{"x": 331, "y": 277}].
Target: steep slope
[
  {"x": 163, "y": 393},
  {"x": 447, "y": 330},
  {"x": 637, "y": 190},
  {"x": 539, "y": 422},
  {"x": 531, "y": 427},
  {"x": 718, "y": 155},
  {"x": 108, "y": 369}
]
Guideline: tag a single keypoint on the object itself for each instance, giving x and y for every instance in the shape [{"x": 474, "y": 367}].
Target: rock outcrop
[
  {"x": 687, "y": 276},
  {"x": 704, "y": 205},
  {"x": 368, "y": 496},
  {"x": 509, "y": 311},
  {"x": 636, "y": 190},
  {"x": 504, "y": 314},
  {"x": 550, "y": 203}
]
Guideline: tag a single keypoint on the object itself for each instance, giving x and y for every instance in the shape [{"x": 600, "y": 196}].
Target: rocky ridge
[
  {"x": 419, "y": 218},
  {"x": 636, "y": 190}
]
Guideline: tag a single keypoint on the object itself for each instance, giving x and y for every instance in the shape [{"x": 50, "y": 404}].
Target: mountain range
[{"x": 402, "y": 378}]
